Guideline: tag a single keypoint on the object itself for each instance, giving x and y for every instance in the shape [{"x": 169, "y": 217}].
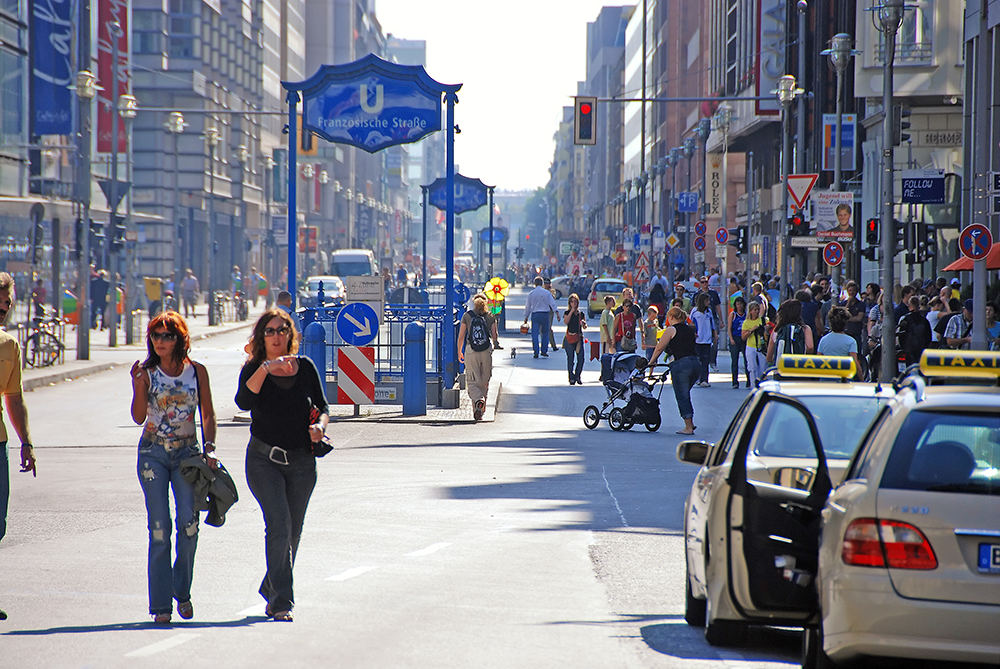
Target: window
[
  {"x": 915, "y": 39},
  {"x": 12, "y": 85}
]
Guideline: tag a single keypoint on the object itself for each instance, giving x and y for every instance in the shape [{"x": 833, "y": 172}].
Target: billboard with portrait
[{"x": 833, "y": 213}]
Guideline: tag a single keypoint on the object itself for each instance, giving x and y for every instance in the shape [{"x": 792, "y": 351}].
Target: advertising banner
[
  {"x": 848, "y": 153},
  {"x": 108, "y": 12},
  {"x": 833, "y": 213},
  {"x": 52, "y": 67},
  {"x": 715, "y": 185}
]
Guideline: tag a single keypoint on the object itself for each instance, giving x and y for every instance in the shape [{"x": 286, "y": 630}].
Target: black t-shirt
[
  {"x": 635, "y": 310},
  {"x": 682, "y": 343},
  {"x": 573, "y": 327},
  {"x": 279, "y": 413}
]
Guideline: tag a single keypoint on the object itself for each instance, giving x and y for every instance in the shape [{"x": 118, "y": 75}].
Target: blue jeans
[
  {"x": 4, "y": 488},
  {"x": 704, "y": 352},
  {"x": 283, "y": 492},
  {"x": 574, "y": 350},
  {"x": 540, "y": 324},
  {"x": 159, "y": 472},
  {"x": 735, "y": 351},
  {"x": 684, "y": 374}
]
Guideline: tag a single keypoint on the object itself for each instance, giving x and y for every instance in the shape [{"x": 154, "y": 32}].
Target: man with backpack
[
  {"x": 913, "y": 332},
  {"x": 957, "y": 333},
  {"x": 479, "y": 331},
  {"x": 790, "y": 336}
]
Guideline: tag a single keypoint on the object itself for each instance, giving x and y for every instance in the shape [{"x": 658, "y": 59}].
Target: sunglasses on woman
[
  {"x": 283, "y": 330},
  {"x": 163, "y": 336}
]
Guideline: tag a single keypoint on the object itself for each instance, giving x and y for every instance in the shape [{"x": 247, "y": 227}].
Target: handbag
[
  {"x": 572, "y": 337},
  {"x": 323, "y": 446},
  {"x": 525, "y": 329}
]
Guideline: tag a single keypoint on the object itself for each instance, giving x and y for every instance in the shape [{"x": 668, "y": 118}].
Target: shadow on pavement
[
  {"x": 764, "y": 644},
  {"x": 124, "y": 627}
]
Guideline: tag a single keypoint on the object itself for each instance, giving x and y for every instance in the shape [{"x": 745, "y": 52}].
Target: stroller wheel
[
  {"x": 616, "y": 419},
  {"x": 591, "y": 417},
  {"x": 653, "y": 425}
]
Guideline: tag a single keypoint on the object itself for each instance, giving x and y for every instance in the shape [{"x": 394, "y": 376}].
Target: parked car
[
  {"x": 767, "y": 447},
  {"x": 562, "y": 286},
  {"x": 333, "y": 291},
  {"x": 599, "y": 290}
]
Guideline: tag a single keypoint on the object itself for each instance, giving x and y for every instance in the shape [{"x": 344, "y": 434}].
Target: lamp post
[
  {"x": 673, "y": 158},
  {"x": 272, "y": 268},
  {"x": 211, "y": 137},
  {"x": 890, "y": 17},
  {"x": 722, "y": 120},
  {"x": 242, "y": 156},
  {"x": 323, "y": 178},
  {"x": 703, "y": 130},
  {"x": 175, "y": 125},
  {"x": 688, "y": 149},
  {"x": 86, "y": 90},
  {"x": 840, "y": 53},
  {"x": 787, "y": 91},
  {"x": 308, "y": 171},
  {"x": 126, "y": 108},
  {"x": 626, "y": 209}
]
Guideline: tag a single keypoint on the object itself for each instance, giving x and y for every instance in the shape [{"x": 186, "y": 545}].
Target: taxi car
[
  {"x": 770, "y": 445},
  {"x": 600, "y": 289},
  {"x": 908, "y": 555}
]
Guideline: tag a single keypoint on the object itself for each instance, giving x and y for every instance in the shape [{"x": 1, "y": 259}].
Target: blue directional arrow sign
[
  {"x": 687, "y": 202},
  {"x": 470, "y": 194},
  {"x": 357, "y": 324}
]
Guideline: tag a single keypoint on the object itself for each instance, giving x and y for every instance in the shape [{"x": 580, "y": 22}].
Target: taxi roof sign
[
  {"x": 957, "y": 364},
  {"x": 817, "y": 366}
]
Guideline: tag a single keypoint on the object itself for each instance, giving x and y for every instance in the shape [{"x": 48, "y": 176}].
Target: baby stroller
[{"x": 630, "y": 398}]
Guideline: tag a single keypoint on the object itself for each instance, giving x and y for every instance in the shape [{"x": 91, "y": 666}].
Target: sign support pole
[
  {"x": 448, "y": 329},
  {"x": 423, "y": 252},
  {"x": 293, "y": 145},
  {"x": 980, "y": 117},
  {"x": 491, "y": 234}
]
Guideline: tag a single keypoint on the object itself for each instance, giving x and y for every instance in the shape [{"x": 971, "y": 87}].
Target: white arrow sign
[{"x": 363, "y": 330}]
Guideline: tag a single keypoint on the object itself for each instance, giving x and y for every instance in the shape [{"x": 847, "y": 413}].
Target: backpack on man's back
[
  {"x": 791, "y": 339},
  {"x": 479, "y": 337}
]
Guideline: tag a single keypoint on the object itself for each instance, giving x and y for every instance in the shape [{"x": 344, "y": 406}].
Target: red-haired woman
[
  {"x": 284, "y": 393},
  {"x": 167, "y": 390}
]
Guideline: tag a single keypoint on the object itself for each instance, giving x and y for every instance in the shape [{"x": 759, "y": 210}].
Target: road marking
[
  {"x": 433, "y": 548},
  {"x": 350, "y": 573},
  {"x": 159, "y": 646},
  {"x": 621, "y": 514}
]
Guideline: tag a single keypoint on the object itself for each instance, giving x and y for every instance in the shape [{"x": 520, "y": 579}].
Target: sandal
[
  {"x": 282, "y": 616},
  {"x": 185, "y": 610},
  {"x": 161, "y": 618}
]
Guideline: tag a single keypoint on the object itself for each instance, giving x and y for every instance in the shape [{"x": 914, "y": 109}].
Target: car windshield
[
  {"x": 842, "y": 421},
  {"x": 946, "y": 452},
  {"x": 351, "y": 267},
  {"x": 329, "y": 285},
  {"x": 608, "y": 287}
]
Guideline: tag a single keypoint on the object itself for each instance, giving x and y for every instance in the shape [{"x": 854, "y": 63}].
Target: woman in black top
[
  {"x": 573, "y": 343},
  {"x": 678, "y": 339},
  {"x": 281, "y": 390}
]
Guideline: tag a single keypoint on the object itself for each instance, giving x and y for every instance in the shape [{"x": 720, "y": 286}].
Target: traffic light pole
[
  {"x": 890, "y": 15},
  {"x": 785, "y": 235},
  {"x": 83, "y": 184},
  {"x": 116, "y": 32}
]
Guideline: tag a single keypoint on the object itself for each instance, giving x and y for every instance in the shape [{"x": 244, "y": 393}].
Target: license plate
[{"x": 989, "y": 558}]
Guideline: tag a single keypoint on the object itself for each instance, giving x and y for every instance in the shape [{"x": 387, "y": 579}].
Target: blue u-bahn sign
[
  {"x": 370, "y": 103},
  {"x": 470, "y": 194}
]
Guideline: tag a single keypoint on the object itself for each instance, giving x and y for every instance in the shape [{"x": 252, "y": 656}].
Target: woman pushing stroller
[{"x": 678, "y": 339}]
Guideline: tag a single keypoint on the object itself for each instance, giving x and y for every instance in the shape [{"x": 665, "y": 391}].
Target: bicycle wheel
[{"x": 44, "y": 349}]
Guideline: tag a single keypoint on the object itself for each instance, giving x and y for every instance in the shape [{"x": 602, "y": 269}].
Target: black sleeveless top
[{"x": 682, "y": 343}]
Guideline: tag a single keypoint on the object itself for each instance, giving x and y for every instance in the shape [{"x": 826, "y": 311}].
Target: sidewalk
[{"x": 103, "y": 357}]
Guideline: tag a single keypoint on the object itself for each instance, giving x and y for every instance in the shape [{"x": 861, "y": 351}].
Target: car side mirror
[{"x": 693, "y": 451}]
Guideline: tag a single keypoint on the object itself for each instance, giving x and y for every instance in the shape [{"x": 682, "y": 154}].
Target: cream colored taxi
[
  {"x": 909, "y": 542},
  {"x": 769, "y": 446}
]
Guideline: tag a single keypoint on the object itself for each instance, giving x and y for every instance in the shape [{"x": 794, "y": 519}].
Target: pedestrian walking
[
  {"x": 913, "y": 332},
  {"x": 576, "y": 323},
  {"x": 706, "y": 335},
  {"x": 539, "y": 308},
  {"x": 838, "y": 342},
  {"x": 650, "y": 329},
  {"x": 167, "y": 391},
  {"x": 958, "y": 332},
  {"x": 552, "y": 315},
  {"x": 678, "y": 340},
  {"x": 99, "y": 298},
  {"x": 189, "y": 293},
  {"x": 607, "y": 325},
  {"x": 10, "y": 383},
  {"x": 288, "y": 414},
  {"x": 479, "y": 330},
  {"x": 626, "y": 325},
  {"x": 790, "y": 335},
  {"x": 737, "y": 347},
  {"x": 754, "y": 335}
]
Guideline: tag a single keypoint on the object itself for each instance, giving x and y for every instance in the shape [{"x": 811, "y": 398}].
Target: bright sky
[{"x": 518, "y": 62}]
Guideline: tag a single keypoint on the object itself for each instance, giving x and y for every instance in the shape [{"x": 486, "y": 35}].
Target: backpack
[
  {"x": 791, "y": 340},
  {"x": 479, "y": 338},
  {"x": 625, "y": 332}
]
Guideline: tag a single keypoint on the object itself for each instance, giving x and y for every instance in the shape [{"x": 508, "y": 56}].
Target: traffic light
[
  {"x": 926, "y": 242},
  {"x": 117, "y": 232},
  {"x": 899, "y": 123},
  {"x": 870, "y": 253},
  {"x": 584, "y": 120},
  {"x": 902, "y": 232},
  {"x": 738, "y": 238},
  {"x": 871, "y": 232},
  {"x": 307, "y": 142},
  {"x": 96, "y": 234},
  {"x": 37, "y": 242},
  {"x": 797, "y": 224},
  {"x": 78, "y": 237}
]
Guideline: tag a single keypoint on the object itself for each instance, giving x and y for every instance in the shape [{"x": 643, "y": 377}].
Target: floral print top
[{"x": 173, "y": 402}]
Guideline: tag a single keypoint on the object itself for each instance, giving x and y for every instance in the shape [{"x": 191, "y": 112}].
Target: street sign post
[
  {"x": 367, "y": 289},
  {"x": 687, "y": 202},
  {"x": 799, "y": 187},
  {"x": 357, "y": 324},
  {"x": 924, "y": 186},
  {"x": 975, "y": 241},
  {"x": 673, "y": 240},
  {"x": 700, "y": 228},
  {"x": 699, "y": 243},
  {"x": 833, "y": 254},
  {"x": 722, "y": 236}
]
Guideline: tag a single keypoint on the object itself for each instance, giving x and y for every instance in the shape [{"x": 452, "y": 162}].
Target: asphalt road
[{"x": 527, "y": 542}]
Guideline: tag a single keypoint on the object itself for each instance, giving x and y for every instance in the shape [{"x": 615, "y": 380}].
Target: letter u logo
[{"x": 379, "y": 101}]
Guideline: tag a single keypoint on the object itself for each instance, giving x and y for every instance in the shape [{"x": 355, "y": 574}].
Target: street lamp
[
  {"x": 688, "y": 150},
  {"x": 702, "y": 131},
  {"x": 269, "y": 164},
  {"x": 175, "y": 125},
  {"x": 211, "y": 137},
  {"x": 840, "y": 53},
  {"x": 116, "y": 33},
  {"x": 721, "y": 121},
  {"x": 787, "y": 91},
  {"x": 86, "y": 90}
]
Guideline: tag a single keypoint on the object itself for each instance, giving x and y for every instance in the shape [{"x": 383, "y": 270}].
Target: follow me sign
[{"x": 371, "y": 104}]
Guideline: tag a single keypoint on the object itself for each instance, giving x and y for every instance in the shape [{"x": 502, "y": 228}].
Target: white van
[{"x": 353, "y": 262}]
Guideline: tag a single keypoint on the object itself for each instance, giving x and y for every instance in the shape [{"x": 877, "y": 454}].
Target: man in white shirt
[
  {"x": 660, "y": 279},
  {"x": 539, "y": 305}
]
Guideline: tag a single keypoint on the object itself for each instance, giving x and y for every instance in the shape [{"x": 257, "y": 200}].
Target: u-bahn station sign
[{"x": 371, "y": 103}]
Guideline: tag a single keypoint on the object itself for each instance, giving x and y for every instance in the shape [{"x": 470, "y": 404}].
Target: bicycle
[
  {"x": 42, "y": 347},
  {"x": 217, "y": 307},
  {"x": 240, "y": 306}
]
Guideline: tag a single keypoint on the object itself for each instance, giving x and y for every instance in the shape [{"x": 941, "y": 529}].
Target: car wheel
[
  {"x": 591, "y": 417},
  {"x": 616, "y": 419},
  {"x": 694, "y": 609},
  {"x": 813, "y": 656}
]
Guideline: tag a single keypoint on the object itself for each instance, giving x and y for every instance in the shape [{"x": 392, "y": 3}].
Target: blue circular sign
[
  {"x": 833, "y": 254},
  {"x": 975, "y": 241},
  {"x": 699, "y": 243},
  {"x": 462, "y": 293},
  {"x": 357, "y": 324}
]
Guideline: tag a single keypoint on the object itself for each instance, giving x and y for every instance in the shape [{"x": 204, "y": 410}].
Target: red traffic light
[
  {"x": 585, "y": 108},
  {"x": 872, "y": 225}
]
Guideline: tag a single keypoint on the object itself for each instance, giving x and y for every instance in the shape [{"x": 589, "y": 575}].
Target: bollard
[
  {"x": 314, "y": 347},
  {"x": 414, "y": 371}
]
